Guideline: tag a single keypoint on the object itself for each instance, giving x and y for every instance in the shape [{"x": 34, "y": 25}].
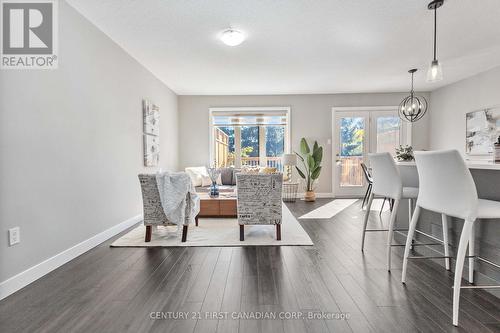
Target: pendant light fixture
[
  {"x": 435, "y": 72},
  {"x": 413, "y": 107}
]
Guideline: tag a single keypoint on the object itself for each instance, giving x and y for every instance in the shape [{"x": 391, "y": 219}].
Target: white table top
[{"x": 471, "y": 164}]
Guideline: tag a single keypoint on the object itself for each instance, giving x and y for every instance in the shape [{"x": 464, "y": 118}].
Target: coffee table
[{"x": 222, "y": 206}]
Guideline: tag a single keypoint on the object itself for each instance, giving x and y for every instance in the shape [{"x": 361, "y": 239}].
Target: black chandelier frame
[{"x": 412, "y": 108}]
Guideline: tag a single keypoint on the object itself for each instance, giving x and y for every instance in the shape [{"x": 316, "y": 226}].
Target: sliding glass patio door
[{"x": 355, "y": 135}]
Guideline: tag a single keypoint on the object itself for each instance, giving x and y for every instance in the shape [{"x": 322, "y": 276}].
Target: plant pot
[{"x": 310, "y": 196}]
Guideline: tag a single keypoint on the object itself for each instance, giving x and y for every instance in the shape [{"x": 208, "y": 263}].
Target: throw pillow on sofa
[
  {"x": 226, "y": 176},
  {"x": 199, "y": 176},
  {"x": 268, "y": 170},
  {"x": 250, "y": 169}
]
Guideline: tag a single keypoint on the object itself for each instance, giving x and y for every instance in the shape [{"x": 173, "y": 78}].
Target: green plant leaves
[
  {"x": 298, "y": 155},
  {"x": 312, "y": 162},
  {"x": 318, "y": 155},
  {"x": 315, "y": 146},
  {"x": 304, "y": 147},
  {"x": 300, "y": 173},
  {"x": 315, "y": 173}
]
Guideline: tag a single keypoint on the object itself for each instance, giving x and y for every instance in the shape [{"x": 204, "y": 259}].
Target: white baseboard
[
  {"x": 318, "y": 195},
  {"x": 32, "y": 274}
]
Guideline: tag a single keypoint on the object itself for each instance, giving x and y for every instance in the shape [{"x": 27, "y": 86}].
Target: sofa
[{"x": 227, "y": 181}]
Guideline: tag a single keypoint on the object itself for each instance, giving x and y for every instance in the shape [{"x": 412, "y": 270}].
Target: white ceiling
[{"x": 300, "y": 46}]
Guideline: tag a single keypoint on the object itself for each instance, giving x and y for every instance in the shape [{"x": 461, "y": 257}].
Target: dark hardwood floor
[{"x": 121, "y": 289}]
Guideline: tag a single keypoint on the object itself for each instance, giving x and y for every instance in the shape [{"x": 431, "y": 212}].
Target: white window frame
[{"x": 249, "y": 110}]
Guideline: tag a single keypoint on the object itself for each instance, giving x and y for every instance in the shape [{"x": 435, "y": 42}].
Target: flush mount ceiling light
[
  {"x": 232, "y": 37},
  {"x": 413, "y": 107},
  {"x": 435, "y": 72}
]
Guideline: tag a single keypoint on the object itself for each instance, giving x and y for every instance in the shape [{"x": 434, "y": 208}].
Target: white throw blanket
[{"x": 178, "y": 198}]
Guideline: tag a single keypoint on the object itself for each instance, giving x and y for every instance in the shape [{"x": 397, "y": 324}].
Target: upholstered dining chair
[
  {"x": 153, "y": 210},
  {"x": 259, "y": 200}
]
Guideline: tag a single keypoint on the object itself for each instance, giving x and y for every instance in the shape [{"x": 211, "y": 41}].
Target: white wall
[
  {"x": 310, "y": 118},
  {"x": 71, "y": 144},
  {"x": 450, "y": 104}
]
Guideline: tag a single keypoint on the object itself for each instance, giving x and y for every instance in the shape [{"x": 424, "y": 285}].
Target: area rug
[
  {"x": 329, "y": 210},
  {"x": 220, "y": 232}
]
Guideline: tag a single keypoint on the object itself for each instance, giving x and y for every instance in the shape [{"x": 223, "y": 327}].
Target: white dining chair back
[
  {"x": 447, "y": 187},
  {"x": 387, "y": 183},
  {"x": 386, "y": 179},
  {"x": 446, "y": 184}
]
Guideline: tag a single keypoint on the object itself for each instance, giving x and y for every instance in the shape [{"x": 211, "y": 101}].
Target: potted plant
[
  {"x": 404, "y": 153},
  {"x": 312, "y": 166}
]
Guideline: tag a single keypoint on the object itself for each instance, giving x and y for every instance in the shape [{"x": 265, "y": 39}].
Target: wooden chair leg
[
  {"x": 278, "y": 232},
  {"x": 184, "y": 233},
  {"x": 196, "y": 220},
  {"x": 148, "y": 233},
  {"x": 242, "y": 232}
]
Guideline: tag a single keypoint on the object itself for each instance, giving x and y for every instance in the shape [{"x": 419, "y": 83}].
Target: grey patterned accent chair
[
  {"x": 153, "y": 210},
  {"x": 259, "y": 200}
]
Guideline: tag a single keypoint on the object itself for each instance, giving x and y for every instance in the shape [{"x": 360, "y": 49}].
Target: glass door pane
[
  {"x": 352, "y": 147},
  {"x": 388, "y": 134}
]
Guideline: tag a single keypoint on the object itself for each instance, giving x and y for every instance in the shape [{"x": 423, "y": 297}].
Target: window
[{"x": 249, "y": 136}]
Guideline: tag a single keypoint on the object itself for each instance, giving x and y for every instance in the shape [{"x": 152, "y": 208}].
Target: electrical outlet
[{"x": 14, "y": 236}]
